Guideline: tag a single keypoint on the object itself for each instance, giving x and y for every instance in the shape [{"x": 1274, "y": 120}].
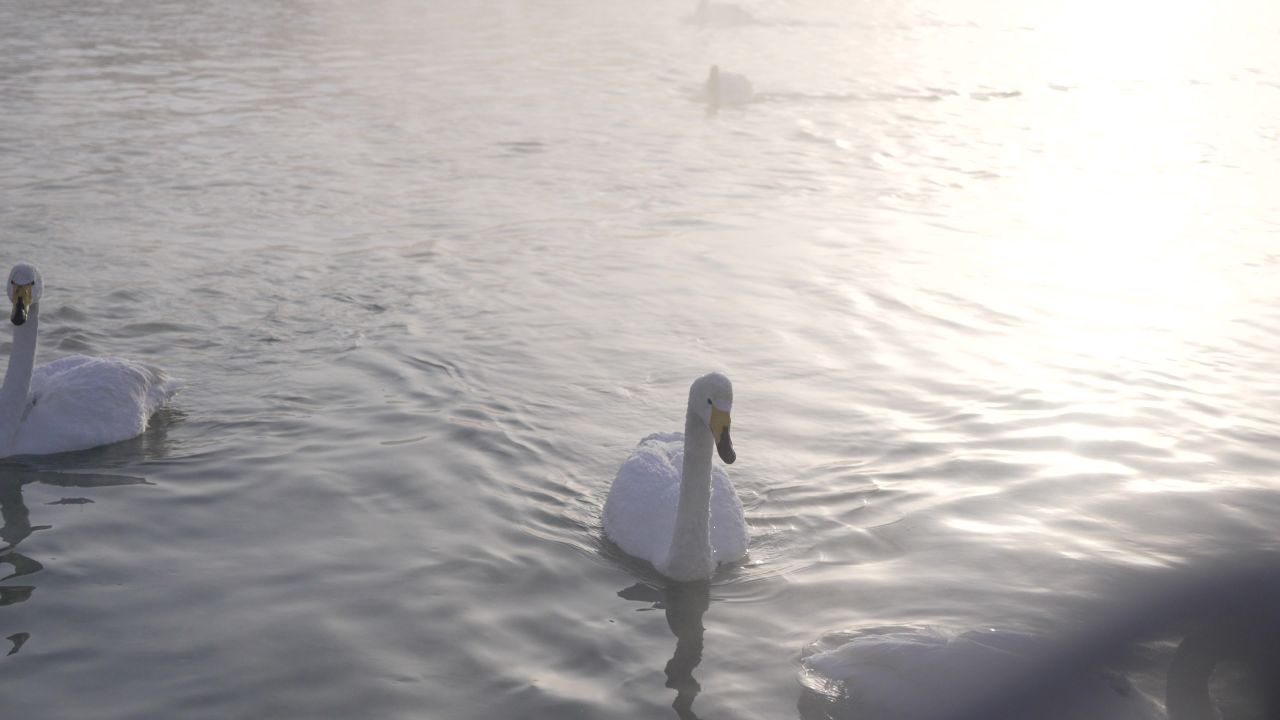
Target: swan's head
[
  {"x": 711, "y": 399},
  {"x": 25, "y": 288}
]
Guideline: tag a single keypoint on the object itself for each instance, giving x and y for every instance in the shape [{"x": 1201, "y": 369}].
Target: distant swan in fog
[
  {"x": 914, "y": 673},
  {"x": 669, "y": 505},
  {"x": 726, "y": 88},
  {"x": 75, "y": 402},
  {"x": 715, "y": 13}
]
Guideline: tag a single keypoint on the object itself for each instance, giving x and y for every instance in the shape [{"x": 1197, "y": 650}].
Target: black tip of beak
[
  {"x": 724, "y": 446},
  {"x": 19, "y": 315}
]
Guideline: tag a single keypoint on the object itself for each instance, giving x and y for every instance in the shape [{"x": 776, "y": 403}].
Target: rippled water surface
[{"x": 995, "y": 282}]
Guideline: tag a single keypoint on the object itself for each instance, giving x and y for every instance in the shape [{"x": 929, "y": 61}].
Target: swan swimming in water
[
  {"x": 726, "y": 88},
  {"x": 669, "y": 505},
  {"x": 75, "y": 402},
  {"x": 723, "y": 14}
]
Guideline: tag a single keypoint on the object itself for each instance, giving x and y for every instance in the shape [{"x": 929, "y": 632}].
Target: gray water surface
[{"x": 995, "y": 283}]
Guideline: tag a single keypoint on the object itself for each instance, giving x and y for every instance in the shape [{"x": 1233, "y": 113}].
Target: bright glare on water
[{"x": 995, "y": 281}]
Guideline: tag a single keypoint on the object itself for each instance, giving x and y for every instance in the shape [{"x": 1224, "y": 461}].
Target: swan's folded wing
[
  {"x": 728, "y": 523},
  {"x": 82, "y": 402},
  {"x": 639, "y": 514}
]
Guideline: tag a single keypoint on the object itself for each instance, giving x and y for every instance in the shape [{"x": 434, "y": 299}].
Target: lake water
[{"x": 995, "y": 282}]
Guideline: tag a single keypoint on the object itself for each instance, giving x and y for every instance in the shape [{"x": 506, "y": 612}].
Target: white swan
[
  {"x": 669, "y": 505},
  {"x": 723, "y": 14},
  {"x": 726, "y": 88},
  {"x": 73, "y": 403}
]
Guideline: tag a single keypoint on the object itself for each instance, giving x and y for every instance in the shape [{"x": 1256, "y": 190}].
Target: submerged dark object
[{"x": 1230, "y": 614}]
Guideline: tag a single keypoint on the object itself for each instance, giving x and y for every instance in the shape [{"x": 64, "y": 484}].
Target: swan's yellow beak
[
  {"x": 21, "y": 302},
  {"x": 720, "y": 431}
]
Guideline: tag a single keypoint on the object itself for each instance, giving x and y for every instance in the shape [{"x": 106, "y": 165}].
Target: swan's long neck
[
  {"x": 690, "y": 555},
  {"x": 17, "y": 379},
  {"x": 713, "y": 90}
]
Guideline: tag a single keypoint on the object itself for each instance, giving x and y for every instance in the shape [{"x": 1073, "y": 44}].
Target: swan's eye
[{"x": 708, "y": 401}]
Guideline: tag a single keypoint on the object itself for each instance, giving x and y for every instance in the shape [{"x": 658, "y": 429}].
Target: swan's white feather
[
  {"x": 721, "y": 14},
  {"x": 80, "y": 402},
  {"x": 730, "y": 89},
  {"x": 640, "y": 512}
]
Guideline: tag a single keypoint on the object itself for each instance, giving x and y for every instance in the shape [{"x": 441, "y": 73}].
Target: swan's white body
[
  {"x": 726, "y": 88},
  {"x": 75, "y": 402},
  {"x": 900, "y": 673},
  {"x": 640, "y": 514},
  {"x": 722, "y": 14},
  {"x": 670, "y": 506}
]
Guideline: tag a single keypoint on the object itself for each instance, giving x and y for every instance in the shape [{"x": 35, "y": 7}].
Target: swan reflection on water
[
  {"x": 17, "y": 527},
  {"x": 684, "y": 603}
]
